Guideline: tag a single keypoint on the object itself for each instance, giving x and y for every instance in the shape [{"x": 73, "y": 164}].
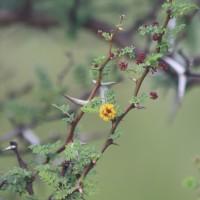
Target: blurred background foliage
[{"x": 46, "y": 49}]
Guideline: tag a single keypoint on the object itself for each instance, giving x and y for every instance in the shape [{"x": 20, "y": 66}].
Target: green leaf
[
  {"x": 17, "y": 179},
  {"x": 64, "y": 109},
  {"x": 152, "y": 59},
  {"x": 127, "y": 51},
  {"x": 190, "y": 183},
  {"x": 92, "y": 106},
  {"x": 110, "y": 96},
  {"x": 139, "y": 99},
  {"x": 179, "y": 9},
  {"x": 44, "y": 151},
  {"x": 116, "y": 134}
]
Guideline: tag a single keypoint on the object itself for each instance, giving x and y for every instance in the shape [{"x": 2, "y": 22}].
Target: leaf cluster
[
  {"x": 17, "y": 179},
  {"x": 178, "y": 9},
  {"x": 46, "y": 151},
  {"x": 139, "y": 99}
]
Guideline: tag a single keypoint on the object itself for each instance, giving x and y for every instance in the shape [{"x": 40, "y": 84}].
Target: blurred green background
[{"x": 153, "y": 156}]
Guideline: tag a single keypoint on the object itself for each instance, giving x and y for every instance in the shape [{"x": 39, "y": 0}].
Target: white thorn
[
  {"x": 102, "y": 91},
  {"x": 79, "y": 102},
  {"x": 177, "y": 67},
  {"x": 105, "y": 83},
  {"x": 182, "y": 81},
  {"x": 133, "y": 79}
]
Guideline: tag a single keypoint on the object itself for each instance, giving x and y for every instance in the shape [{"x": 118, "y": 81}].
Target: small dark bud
[
  {"x": 144, "y": 25},
  {"x": 155, "y": 23},
  {"x": 140, "y": 58},
  {"x": 112, "y": 55},
  {"x": 153, "y": 95},
  {"x": 168, "y": 11},
  {"x": 96, "y": 65},
  {"x": 162, "y": 65},
  {"x": 123, "y": 66},
  {"x": 155, "y": 37}
]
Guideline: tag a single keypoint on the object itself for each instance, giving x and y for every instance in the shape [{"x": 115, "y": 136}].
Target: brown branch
[
  {"x": 121, "y": 39},
  {"x": 3, "y": 183},
  {"x": 116, "y": 122},
  {"x": 78, "y": 118}
]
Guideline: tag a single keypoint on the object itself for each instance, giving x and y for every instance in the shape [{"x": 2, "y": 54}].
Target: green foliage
[
  {"x": 116, "y": 134},
  {"x": 81, "y": 76},
  {"x": 60, "y": 185},
  {"x": 110, "y": 96},
  {"x": 65, "y": 175},
  {"x": 174, "y": 32},
  {"x": 170, "y": 34},
  {"x": 152, "y": 59},
  {"x": 65, "y": 110},
  {"x": 109, "y": 69},
  {"x": 17, "y": 179},
  {"x": 97, "y": 62},
  {"x": 21, "y": 113},
  {"x": 139, "y": 99},
  {"x": 178, "y": 9},
  {"x": 92, "y": 106},
  {"x": 43, "y": 79},
  {"x": 46, "y": 91},
  {"x": 80, "y": 155},
  {"x": 90, "y": 186},
  {"x": 107, "y": 36},
  {"x": 190, "y": 183},
  {"x": 164, "y": 46},
  {"x": 30, "y": 198},
  {"x": 46, "y": 151},
  {"x": 151, "y": 30},
  {"x": 129, "y": 51}
]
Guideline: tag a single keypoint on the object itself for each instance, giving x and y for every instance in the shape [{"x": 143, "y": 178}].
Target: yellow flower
[{"x": 107, "y": 112}]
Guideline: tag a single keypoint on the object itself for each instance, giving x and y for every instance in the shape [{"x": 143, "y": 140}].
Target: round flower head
[{"x": 107, "y": 112}]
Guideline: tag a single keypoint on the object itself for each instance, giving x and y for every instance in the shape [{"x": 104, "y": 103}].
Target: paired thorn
[
  {"x": 138, "y": 106},
  {"x": 78, "y": 102},
  {"x": 114, "y": 143},
  {"x": 133, "y": 79},
  {"x": 105, "y": 83}
]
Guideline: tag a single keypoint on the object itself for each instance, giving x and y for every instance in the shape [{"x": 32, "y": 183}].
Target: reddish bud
[
  {"x": 153, "y": 95},
  {"x": 140, "y": 58},
  {"x": 162, "y": 65},
  {"x": 155, "y": 23},
  {"x": 96, "y": 65},
  {"x": 155, "y": 37},
  {"x": 168, "y": 11},
  {"x": 144, "y": 25},
  {"x": 112, "y": 55},
  {"x": 123, "y": 66}
]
